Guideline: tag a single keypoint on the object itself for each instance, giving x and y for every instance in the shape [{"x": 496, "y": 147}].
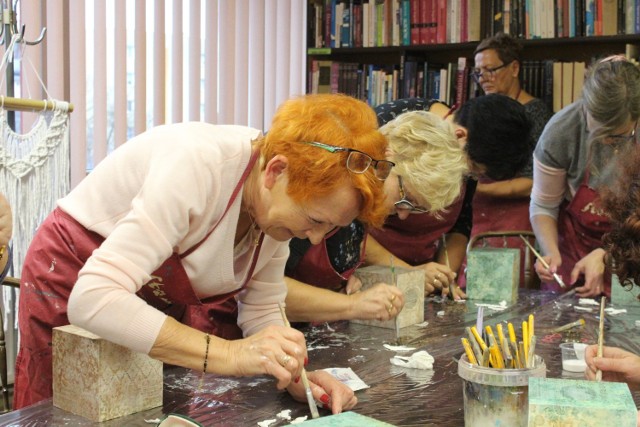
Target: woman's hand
[
  {"x": 333, "y": 394},
  {"x": 458, "y": 293},
  {"x": 546, "y": 274},
  {"x": 275, "y": 350},
  {"x": 379, "y": 302},
  {"x": 592, "y": 267},
  {"x": 617, "y": 365},
  {"x": 436, "y": 277},
  {"x": 354, "y": 284}
]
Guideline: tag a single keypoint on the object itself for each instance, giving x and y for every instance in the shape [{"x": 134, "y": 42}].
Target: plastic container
[
  {"x": 573, "y": 356},
  {"x": 497, "y": 397}
]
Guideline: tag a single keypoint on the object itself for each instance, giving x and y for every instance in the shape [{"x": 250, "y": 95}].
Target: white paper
[
  {"x": 398, "y": 347},
  {"x": 347, "y": 377},
  {"x": 588, "y": 301},
  {"x": 495, "y": 307}
]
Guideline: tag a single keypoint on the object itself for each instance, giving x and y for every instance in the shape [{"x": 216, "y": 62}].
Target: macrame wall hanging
[{"x": 34, "y": 165}]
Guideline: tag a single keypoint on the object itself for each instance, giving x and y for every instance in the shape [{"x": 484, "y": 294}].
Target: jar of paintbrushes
[{"x": 495, "y": 370}]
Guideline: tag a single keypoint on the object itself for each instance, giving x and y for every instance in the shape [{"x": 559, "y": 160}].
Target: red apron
[
  {"x": 500, "y": 214},
  {"x": 415, "y": 240},
  {"x": 315, "y": 267},
  {"x": 581, "y": 225},
  {"x": 59, "y": 251}
]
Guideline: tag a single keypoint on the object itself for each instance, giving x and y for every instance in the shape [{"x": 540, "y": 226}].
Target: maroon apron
[
  {"x": 315, "y": 267},
  {"x": 581, "y": 225},
  {"x": 415, "y": 240},
  {"x": 58, "y": 252},
  {"x": 500, "y": 214}
]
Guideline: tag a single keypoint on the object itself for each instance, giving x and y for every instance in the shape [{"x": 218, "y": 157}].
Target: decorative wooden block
[
  {"x": 493, "y": 274},
  {"x": 410, "y": 281},
  {"x": 580, "y": 403},
  {"x": 622, "y": 295},
  {"x": 99, "y": 380}
]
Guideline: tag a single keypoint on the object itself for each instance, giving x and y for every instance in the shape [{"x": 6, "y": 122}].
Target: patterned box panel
[
  {"x": 493, "y": 274},
  {"x": 411, "y": 282},
  {"x": 99, "y": 380}
]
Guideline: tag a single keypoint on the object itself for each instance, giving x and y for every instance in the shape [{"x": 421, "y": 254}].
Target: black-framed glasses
[
  {"x": 406, "y": 204},
  {"x": 359, "y": 162},
  {"x": 620, "y": 139},
  {"x": 488, "y": 73}
]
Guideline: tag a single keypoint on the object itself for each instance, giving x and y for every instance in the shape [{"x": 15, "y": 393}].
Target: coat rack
[{"x": 8, "y": 28}]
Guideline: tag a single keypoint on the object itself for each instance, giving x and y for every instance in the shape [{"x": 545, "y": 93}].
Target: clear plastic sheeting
[{"x": 397, "y": 395}]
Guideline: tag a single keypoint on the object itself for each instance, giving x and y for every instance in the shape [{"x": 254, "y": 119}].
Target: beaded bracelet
[{"x": 207, "y": 338}]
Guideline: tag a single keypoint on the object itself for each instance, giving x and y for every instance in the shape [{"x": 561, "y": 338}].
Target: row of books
[
  {"x": 557, "y": 83},
  {"x": 376, "y": 23},
  {"x": 532, "y": 19}
]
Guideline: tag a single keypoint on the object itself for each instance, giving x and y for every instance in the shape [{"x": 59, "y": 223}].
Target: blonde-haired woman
[{"x": 430, "y": 166}]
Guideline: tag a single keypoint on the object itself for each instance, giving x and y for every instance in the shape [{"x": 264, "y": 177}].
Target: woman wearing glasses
[
  {"x": 429, "y": 169},
  {"x": 188, "y": 214},
  {"x": 575, "y": 157},
  {"x": 431, "y": 152},
  {"x": 504, "y": 205}
]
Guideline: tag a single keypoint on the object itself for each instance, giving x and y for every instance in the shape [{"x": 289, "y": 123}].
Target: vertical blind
[{"x": 130, "y": 65}]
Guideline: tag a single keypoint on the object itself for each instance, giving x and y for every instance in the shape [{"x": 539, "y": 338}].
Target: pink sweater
[{"x": 158, "y": 193}]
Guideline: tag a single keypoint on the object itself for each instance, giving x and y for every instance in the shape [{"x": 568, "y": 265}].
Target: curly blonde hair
[{"x": 428, "y": 156}]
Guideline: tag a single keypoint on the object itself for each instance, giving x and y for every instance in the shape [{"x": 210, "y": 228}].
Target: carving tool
[
  {"x": 579, "y": 322},
  {"x": 305, "y": 381},
  {"x": 394, "y": 282},
  {"x": 600, "y": 336},
  {"x": 556, "y": 276},
  {"x": 446, "y": 259},
  {"x": 474, "y": 344}
]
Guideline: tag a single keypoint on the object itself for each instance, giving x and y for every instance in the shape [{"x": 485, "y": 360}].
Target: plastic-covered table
[{"x": 399, "y": 396}]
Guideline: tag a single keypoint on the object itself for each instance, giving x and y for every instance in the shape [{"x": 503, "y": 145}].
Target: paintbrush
[
  {"x": 579, "y": 322},
  {"x": 600, "y": 336},
  {"x": 556, "y": 276},
  {"x": 394, "y": 282},
  {"x": 307, "y": 389}
]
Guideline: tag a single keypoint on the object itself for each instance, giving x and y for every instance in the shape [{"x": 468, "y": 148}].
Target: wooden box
[
  {"x": 493, "y": 274},
  {"x": 622, "y": 295},
  {"x": 99, "y": 380},
  {"x": 410, "y": 281},
  {"x": 580, "y": 403}
]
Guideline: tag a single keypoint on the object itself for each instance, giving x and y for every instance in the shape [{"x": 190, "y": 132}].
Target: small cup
[{"x": 573, "y": 356}]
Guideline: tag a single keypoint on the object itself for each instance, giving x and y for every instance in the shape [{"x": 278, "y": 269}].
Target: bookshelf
[{"x": 395, "y": 57}]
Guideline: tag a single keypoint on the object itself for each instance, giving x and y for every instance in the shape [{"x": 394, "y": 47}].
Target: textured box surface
[
  {"x": 99, "y": 380},
  {"x": 580, "y": 403},
  {"x": 623, "y": 295},
  {"x": 411, "y": 282},
  {"x": 493, "y": 274}
]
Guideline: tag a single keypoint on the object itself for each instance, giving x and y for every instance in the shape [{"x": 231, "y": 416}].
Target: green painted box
[
  {"x": 580, "y": 403},
  {"x": 493, "y": 274},
  {"x": 346, "y": 419},
  {"x": 623, "y": 295}
]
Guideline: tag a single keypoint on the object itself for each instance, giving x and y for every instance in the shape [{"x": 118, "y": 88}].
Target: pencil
[
  {"x": 474, "y": 344},
  {"x": 531, "y": 332},
  {"x": 469, "y": 351},
  {"x": 478, "y": 338},
  {"x": 543, "y": 262},
  {"x": 600, "y": 336},
  {"x": 305, "y": 381},
  {"x": 525, "y": 341}
]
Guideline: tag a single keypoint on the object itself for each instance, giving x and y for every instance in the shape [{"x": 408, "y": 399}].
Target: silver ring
[{"x": 285, "y": 359}]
